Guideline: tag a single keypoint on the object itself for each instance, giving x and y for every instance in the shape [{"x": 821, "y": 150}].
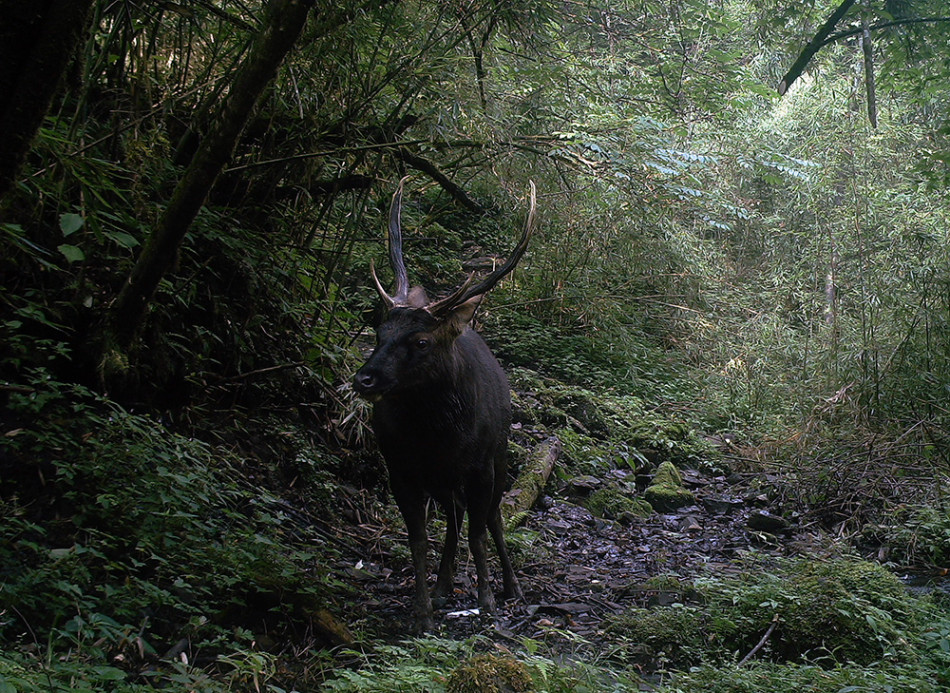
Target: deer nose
[{"x": 364, "y": 381}]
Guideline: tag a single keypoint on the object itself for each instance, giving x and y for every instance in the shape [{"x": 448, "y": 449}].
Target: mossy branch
[{"x": 531, "y": 482}]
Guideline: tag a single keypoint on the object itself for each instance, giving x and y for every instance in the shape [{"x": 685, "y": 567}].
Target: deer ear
[{"x": 462, "y": 315}]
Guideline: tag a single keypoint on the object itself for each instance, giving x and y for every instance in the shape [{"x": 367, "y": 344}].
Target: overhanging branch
[
  {"x": 824, "y": 37},
  {"x": 882, "y": 25},
  {"x": 813, "y": 46},
  {"x": 436, "y": 174}
]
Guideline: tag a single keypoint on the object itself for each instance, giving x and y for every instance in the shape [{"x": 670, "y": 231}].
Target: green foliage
[
  {"x": 793, "y": 678},
  {"x": 410, "y": 666},
  {"x": 843, "y": 611},
  {"x": 669, "y": 637},
  {"x": 525, "y": 341},
  {"x": 601, "y": 429},
  {"x": 123, "y": 538},
  {"x": 913, "y": 535},
  {"x": 436, "y": 665}
]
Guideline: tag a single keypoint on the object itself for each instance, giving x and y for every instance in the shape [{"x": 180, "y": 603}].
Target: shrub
[
  {"x": 123, "y": 538},
  {"x": 845, "y": 610}
]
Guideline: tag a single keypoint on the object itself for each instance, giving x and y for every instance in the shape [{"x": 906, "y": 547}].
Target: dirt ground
[{"x": 575, "y": 569}]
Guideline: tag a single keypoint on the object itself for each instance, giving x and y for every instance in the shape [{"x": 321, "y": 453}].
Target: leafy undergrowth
[
  {"x": 823, "y": 612},
  {"x": 824, "y": 626},
  {"x": 133, "y": 558}
]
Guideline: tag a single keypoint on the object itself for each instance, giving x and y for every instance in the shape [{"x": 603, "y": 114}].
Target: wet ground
[{"x": 576, "y": 569}]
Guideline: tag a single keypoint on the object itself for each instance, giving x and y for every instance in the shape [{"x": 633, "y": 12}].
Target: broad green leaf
[
  {"x": 72, "y": 253},
  {"x": 70, "y": 223},
  {"x": 124, "y": 239}
]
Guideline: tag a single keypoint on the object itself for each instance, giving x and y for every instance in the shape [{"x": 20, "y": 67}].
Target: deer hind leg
[
  {"x": 478, "y": 542},
  {"x": 454, "y": 512},
  {"x": 495, "y": 526}
]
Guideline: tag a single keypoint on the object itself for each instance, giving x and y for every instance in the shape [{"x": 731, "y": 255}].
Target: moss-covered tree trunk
[
  {"x": 37, "y": 41},
  {"x": 286, "y": 19}
]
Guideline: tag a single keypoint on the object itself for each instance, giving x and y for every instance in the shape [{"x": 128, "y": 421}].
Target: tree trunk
[
  {"x": 37, "y": 42},
  {"x": 869, "y": 87},
  {"x": 286, "y": 21}
]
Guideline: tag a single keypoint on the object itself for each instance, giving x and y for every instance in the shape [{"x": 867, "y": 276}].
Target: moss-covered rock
[
  {"x": 668, "y": 474},
  {"x": 615, "y": 504},
  {"x": 667, "y": 492},
  {"x": 490, "y": 673}
]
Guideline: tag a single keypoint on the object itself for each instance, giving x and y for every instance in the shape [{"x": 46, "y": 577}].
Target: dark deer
[{"x": 441, "y": 416}]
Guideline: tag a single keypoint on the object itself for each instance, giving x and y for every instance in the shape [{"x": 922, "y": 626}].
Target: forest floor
[{"x": 575, "y": 569}]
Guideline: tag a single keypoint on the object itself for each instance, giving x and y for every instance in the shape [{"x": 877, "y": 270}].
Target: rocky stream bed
[{"x": 575, "y": 568}]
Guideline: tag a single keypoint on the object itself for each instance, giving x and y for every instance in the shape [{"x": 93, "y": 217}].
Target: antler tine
[
  {"x": 395, "y": 247},
  {"x": 466, "y": 292},
  {"x": 387, "y": 299},
  {"x": 452, "y": 300}
]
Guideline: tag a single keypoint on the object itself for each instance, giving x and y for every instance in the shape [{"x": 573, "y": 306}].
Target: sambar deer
[{"x": 441, "y": 416}]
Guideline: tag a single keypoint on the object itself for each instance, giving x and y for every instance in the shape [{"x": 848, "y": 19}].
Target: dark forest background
[{"x": 743, "y": 237}]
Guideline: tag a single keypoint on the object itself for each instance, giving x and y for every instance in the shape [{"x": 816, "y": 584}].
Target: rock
[
  {"x": 667, "y": 491},
  {"x": 583, "y": 485},
  {"x": 690, "y": 524},
  {"x": 764, "y": 521},
  {"x": 721, "y": 505}
]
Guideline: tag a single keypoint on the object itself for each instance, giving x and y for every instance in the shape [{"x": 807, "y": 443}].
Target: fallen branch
[
  {"x": 761, "y": 642},
  {"x": 529, "y": 484}
]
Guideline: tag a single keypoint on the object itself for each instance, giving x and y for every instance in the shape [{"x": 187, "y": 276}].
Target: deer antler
[
  {"x": 395, "y": 255},
  {"x": 467, "y": 291}
]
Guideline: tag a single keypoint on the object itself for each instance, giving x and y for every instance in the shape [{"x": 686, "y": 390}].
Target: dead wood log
[
  {"x": 331, "y": 629},
  {"x": 529, "y": 484}
]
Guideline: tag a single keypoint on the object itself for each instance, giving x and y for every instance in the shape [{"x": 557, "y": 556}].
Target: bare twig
[
  {"x": 761, "y": 642},
  {"x": 6, "y": 387},
  {"x": 260, "y": 371}
]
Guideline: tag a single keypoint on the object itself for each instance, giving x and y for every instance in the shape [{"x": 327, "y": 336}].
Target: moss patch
[
  {"x": 614, "y": 504},
  {"x": 667, "y": 492},
  {"x": 489, "y": 673}
]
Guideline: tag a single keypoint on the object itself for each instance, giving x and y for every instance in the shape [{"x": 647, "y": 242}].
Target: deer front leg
[{"x": 412, "y": 506}]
